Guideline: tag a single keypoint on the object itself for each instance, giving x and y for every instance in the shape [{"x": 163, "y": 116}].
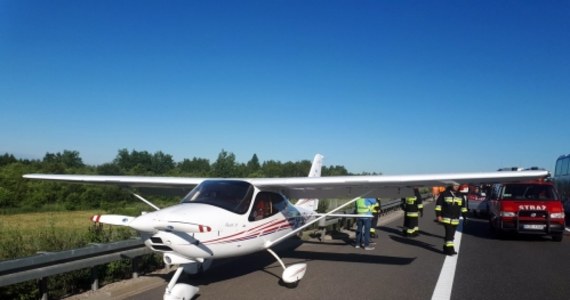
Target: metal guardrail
[
  {"x": 390, "y": 206},
  {"x": 39, "y": 267}
]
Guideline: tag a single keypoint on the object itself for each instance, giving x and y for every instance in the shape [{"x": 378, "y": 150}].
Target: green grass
[{"x": 26, "y": 234}]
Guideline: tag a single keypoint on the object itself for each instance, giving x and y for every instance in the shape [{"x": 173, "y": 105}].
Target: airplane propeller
[
  {"x": 112, "y": 219},
  {"x": 145, "y": 224},
  {"x": 182, "y": 227}
]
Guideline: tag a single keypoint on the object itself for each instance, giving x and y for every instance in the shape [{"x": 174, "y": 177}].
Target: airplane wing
[
  {"x": 127, "y": 181},
  {"x": 388, "y": 186},
  {"x": 393, "y": 186}
]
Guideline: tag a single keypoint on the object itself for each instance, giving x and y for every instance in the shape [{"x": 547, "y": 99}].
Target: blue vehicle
[{"x": 562, "y": 180}]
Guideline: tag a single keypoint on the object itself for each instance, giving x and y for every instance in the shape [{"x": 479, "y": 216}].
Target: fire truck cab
[{"x": 530, "y": 207}]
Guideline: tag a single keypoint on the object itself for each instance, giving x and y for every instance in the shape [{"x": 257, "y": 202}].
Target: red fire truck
[{"x": 532, "y": 207}]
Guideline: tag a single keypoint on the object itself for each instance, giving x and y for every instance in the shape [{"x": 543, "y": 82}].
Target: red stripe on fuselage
[{"x": 263, "y": 229}]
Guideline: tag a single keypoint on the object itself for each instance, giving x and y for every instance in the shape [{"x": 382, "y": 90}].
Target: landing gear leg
[
  {"x": 292, "y": 274},
  {"x": 179, "y": 291}
]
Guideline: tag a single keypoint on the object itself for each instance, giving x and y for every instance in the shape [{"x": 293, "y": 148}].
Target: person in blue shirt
[{"x": 364, "y": 208}]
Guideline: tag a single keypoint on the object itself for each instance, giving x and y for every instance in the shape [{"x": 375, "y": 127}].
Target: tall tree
[
  {"x": 62, "y": 162},
  {"x": 161, "y": 163},
  {"x": 7, "y": 159},
  {"x": 225, "y": 165},
  {"x": 334, "y": 171},
  {"x": 253, "y": 167},
  {"x": 272, "y": 168},
  {"x": 194, "y": 167}
]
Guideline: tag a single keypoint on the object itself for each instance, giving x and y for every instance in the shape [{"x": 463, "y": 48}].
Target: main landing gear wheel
[{"x": 292, "y": 274}]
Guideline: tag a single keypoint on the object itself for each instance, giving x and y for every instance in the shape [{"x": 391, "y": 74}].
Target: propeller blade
[
  {"x": 182, "y": 227},
  {"x": 149, "y": 223},
  {"x": 112, "y": 219}
]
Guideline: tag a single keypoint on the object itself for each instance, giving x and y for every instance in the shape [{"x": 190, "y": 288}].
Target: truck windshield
[
  {"x": 529, "y": 192},
  {"x": 232, "y": 195}
]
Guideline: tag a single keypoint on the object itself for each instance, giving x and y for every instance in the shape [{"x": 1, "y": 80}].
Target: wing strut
[
  {"x": 146, "y": 201},
  {"x": 294, "y": 273},
  {"x": 271, "y": 243}
]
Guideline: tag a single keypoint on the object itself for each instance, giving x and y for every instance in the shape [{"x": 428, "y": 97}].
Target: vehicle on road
[
  {"x": 530, "y": 207},
  {"x": 476, "y": 201},
  {"x": 562, "y": 180}
]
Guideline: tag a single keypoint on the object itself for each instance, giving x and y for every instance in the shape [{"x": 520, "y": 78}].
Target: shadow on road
[
  {"x": 224, "y": 269},
  {"x": 416, "y": 243},
  {"x": 361, "y": 257}
]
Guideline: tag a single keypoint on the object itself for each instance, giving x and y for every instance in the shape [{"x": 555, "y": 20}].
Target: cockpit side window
[{"x": 267, "y": 204}]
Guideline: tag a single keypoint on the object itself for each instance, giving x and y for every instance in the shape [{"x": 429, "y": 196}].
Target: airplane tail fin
[
  {"x": 316, "y": 166},
  {"x": 312, "y": 204}
]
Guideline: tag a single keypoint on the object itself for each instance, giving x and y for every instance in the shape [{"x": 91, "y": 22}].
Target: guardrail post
[
  {"x": 94, "y": 279},
  {"x": 135, "y": 266},
  {"x": 43, "y": 288}
]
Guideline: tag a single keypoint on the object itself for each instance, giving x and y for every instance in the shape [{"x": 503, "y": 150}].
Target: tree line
[{"x": 21, "y": 195}]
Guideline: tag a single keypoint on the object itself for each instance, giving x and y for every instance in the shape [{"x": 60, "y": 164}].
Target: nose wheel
[
  {"x": 179, "y": 291},
  {"x": 183, "y": 291}
]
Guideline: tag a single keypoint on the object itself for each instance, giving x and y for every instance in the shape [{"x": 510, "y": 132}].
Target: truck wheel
[
  {"x": 492, "y": 227},
  {"x": 557, "y": 237}
]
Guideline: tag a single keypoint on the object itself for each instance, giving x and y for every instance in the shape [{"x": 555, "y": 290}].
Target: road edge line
[{"x": 446, "y": 276}]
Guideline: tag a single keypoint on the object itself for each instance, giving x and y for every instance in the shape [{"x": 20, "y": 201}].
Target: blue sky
[{"x": 398, "y": 87}]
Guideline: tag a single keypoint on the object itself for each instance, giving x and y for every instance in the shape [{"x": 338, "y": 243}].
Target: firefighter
[
  {"x": 448, "y": 207},
  {"x": 375, "y": 209},
  {"x": 413, "y": 209}
]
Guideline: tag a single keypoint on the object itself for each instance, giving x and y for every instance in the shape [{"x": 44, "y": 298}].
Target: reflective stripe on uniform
[
  {"x": 412, "y": 214},
  {"x": 450, "y": 221},
  {"x": 412, "y": 230},
  {"x": 410, "y": 200},
  {"x": 438, "y": 208},
  {"x": 453, "y": 200},
  {"x": 420, "y": 206},
  {"x": 449, "y": 244},
  {"x": 464, "y": 209},
  {"x": 374, "y": 207}
]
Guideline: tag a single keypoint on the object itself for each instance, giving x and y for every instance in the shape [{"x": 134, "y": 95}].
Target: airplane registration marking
[{"x": 261, "y": 230}]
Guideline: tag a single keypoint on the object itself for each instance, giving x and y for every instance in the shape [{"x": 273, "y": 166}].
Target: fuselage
[{"x": 222, "y": 224}]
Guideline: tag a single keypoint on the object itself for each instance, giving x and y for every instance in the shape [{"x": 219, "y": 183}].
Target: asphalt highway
[{"x": 487, "y": 267}]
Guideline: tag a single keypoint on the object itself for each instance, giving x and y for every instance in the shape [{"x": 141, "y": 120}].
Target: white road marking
[{"x": 444, "y": 284}]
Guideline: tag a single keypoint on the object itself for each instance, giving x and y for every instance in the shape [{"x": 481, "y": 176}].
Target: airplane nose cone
[{"x": 143, "y": 223}]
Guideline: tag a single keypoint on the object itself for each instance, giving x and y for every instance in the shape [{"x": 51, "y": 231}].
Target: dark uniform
[
  {"x": 449, "y": 206},
  {"x": 413, "y": 209}
]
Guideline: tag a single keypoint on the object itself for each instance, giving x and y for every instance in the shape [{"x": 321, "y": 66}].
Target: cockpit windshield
[{"x": 232, "y": 195}]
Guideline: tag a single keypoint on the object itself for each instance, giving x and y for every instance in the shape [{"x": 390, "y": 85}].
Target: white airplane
[{"x": 231, "y": 217}]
